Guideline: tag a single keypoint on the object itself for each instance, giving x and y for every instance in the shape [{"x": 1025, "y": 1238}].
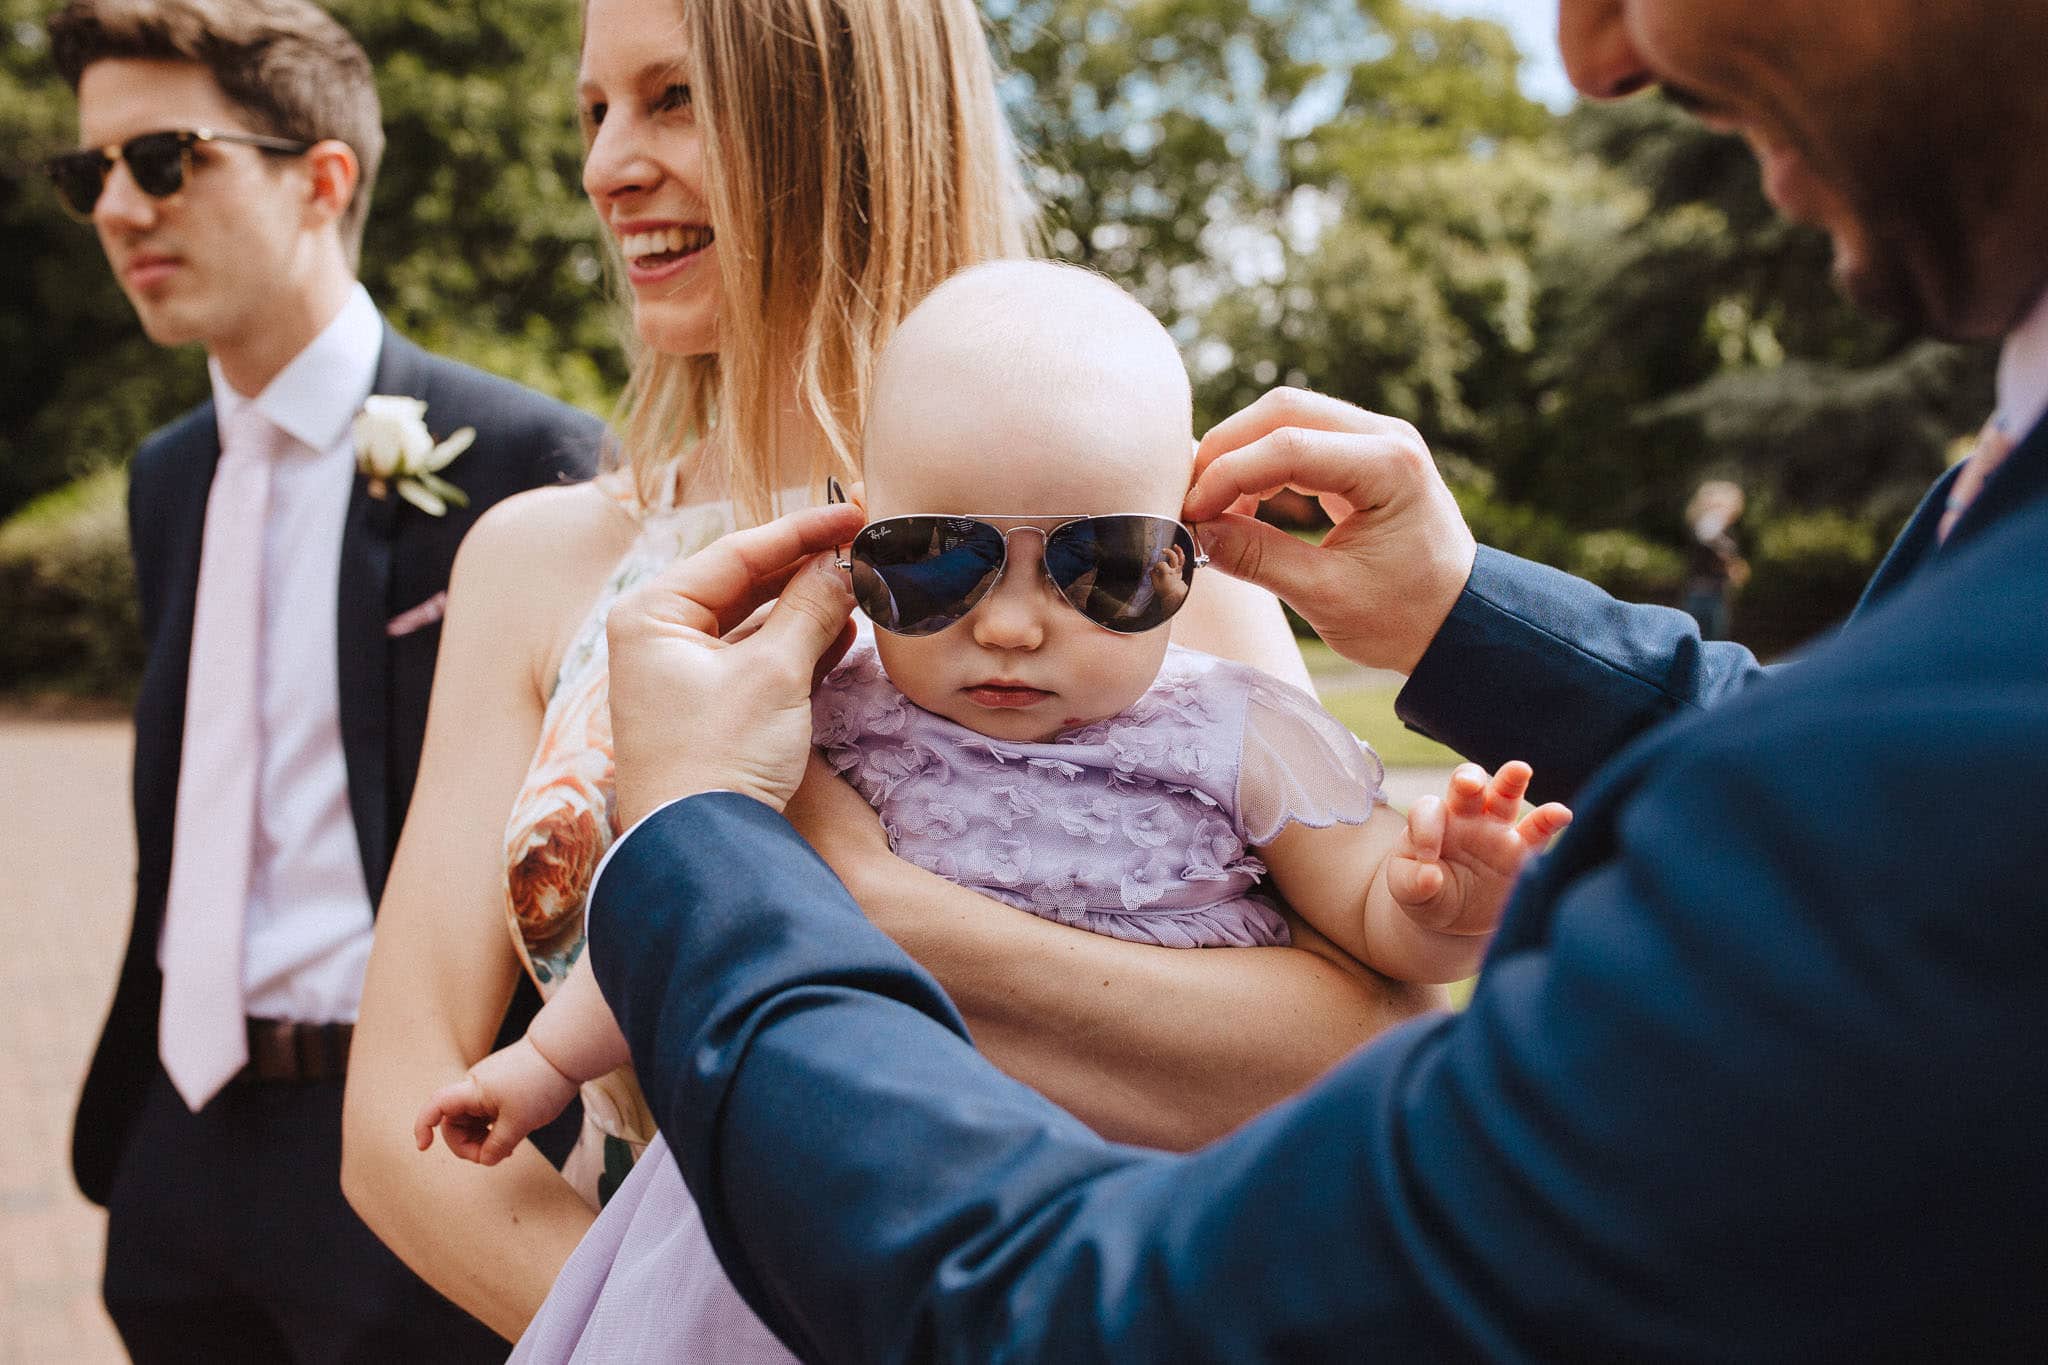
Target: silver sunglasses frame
[{"x": 1045, "y": 526}]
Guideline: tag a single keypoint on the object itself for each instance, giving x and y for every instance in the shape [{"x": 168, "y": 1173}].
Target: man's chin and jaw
[
  {"x": 1902, "y": 250},
  {"x": 1882, "y": 143}
]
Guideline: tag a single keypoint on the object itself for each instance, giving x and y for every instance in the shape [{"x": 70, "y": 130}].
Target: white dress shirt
[{"x": 307, "y": 928}]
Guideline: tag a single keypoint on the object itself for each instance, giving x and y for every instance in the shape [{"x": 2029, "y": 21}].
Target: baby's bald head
[{"x": 1018, "y": 385}]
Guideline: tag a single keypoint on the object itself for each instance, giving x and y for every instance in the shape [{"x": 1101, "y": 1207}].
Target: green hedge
[
  {"x": 1628, "y": 565},
  {"x": 1807, "y": 569},
  {"x": 65, "y": 575},
  {"x": 1806, "y": 572}
]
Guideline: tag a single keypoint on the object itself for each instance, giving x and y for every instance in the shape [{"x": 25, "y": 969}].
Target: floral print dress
[{"x": 563, "y": 821}]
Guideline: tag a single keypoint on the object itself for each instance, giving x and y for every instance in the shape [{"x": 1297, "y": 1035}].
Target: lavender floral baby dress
[{"x": 1139, "y": 826}]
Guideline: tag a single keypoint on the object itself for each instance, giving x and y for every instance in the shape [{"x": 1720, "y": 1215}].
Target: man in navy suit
[
  {"x": 290, "y": 605},
  {"x": 1758, "y": 1066}
]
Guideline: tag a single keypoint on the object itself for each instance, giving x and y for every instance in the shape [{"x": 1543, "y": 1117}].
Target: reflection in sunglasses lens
[
  {"x": 924, "y": 573},
  {"x": 1139, "y": 570}
]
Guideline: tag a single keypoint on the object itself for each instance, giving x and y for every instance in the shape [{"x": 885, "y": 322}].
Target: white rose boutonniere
[{"x": 395, "y": 450}]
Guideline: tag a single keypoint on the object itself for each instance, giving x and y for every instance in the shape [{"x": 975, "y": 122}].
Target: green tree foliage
[
  {"x": 1586, "y": 313},
  {"x": 1706, "y": 336},
  {"x": 481, "y": 244}
]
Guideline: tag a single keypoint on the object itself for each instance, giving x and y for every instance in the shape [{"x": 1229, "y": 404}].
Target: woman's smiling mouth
[{"x": 656, "y": 252}]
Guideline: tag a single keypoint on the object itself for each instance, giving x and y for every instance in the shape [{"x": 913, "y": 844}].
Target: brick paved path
[{"x": 64, "y": 905}]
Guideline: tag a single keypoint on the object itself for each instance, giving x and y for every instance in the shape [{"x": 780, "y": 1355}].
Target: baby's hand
[
  {"x": 484, "y": 1116},
  {"x": 1458, "y": 858}
]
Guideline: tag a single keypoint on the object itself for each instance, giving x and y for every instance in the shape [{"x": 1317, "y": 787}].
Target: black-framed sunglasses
[
  {"x": 158, "y": 162},
  {"x": 917, "y": 575}
]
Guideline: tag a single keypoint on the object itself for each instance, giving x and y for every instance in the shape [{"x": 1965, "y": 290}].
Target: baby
[{"x": 1020, "y": 720}]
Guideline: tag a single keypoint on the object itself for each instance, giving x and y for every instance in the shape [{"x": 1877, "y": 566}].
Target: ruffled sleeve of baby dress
[{"x": 1300, "y": 765}]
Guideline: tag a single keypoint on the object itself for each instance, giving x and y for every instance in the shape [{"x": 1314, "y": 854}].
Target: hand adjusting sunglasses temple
[
  {"x": 916, "y": 575},
  {"x": 157, "y": 161}
]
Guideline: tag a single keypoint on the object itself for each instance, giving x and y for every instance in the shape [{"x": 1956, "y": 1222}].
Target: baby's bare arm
[
  {"x": 485, "y": 1116},
  {"x": 575, "y": 1030},
  {"x": 1418, "y": 899},
  {"x": 1335, "y": 878}
]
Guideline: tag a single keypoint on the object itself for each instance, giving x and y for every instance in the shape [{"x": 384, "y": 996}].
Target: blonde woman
[{"x": 783, "y": 179}]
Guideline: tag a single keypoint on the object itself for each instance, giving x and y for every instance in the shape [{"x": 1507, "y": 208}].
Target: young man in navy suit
[
  {"x": 1758, "y": 1065},
  {"x": 290, "y": 605}
]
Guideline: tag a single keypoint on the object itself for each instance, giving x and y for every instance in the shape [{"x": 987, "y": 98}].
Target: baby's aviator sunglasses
[
  {"x": 917, "y": 575},
  {"x": 157, "y": 161}
]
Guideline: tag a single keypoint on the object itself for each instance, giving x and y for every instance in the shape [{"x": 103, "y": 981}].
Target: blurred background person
[{"x": 1714, "y": 567}]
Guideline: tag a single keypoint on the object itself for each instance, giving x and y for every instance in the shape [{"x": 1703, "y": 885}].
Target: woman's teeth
[{"x": 675, "y": 241}]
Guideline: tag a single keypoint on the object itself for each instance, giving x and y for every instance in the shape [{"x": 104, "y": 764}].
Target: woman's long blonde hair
[{"x": 855, "y": 156}]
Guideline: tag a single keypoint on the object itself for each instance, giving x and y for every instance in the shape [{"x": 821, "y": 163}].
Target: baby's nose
[{"x": 1012, "y": 614}]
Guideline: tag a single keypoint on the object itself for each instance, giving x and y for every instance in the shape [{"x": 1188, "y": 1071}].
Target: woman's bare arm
[{"x": 443, "y": 968}]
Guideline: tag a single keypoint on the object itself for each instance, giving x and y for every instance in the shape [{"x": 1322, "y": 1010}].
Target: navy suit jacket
[
  {"x": 1757, "y": 1067},
  {"x": 393, "y": 557}
]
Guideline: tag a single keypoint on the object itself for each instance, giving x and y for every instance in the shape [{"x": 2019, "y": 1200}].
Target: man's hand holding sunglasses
[
  {"x": 1381, "y": 583},
  {"x": 698, "y": 706}
]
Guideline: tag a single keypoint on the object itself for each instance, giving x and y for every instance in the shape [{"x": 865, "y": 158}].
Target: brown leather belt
[{"x": 283, "y": 1050}]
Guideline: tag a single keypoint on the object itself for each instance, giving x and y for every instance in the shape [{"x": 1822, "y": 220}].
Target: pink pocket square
[{"x": 419, "y": 617}]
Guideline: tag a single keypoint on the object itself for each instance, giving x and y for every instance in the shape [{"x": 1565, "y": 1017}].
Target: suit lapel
[
  {"x": 1911, "y": 548},
  {"x": 2023, "y": 477},
  {"x": 368, "y": 543}
]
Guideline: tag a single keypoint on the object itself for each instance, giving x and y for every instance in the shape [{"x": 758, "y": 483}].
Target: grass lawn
[
  {"x": 1369, "y": 712},
  {"x": 1364, "y": 700}
]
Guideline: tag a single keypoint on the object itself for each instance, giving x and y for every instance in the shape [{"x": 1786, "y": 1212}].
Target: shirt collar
[
  {"x": 2023, "y": 374},
  {"x": 315, "y": 397}
]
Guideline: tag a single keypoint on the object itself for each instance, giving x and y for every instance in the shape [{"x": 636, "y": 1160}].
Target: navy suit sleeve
[
  {"x": 1736, "y": 1103},
  {"x": 1538, "y": 665}
]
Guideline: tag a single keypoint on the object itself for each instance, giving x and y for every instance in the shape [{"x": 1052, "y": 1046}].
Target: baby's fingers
[
  {"x": 500, "y": 1142},
  {"x": 467, "y": 1135},
  {"x": 424, "y": 1125},
  {"x": 450, "y": 1102},
  {"x": 1467, "y": 797},
  {"x": 1542, "y": 825},
  {"x": 1504, "y": 794},
  {"x": 1415, "y": 873}
]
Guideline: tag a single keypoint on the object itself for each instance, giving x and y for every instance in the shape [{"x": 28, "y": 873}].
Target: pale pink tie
[
  {"x": 203, "y": 1036},
  {"x": 1993, "y": 445}
]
